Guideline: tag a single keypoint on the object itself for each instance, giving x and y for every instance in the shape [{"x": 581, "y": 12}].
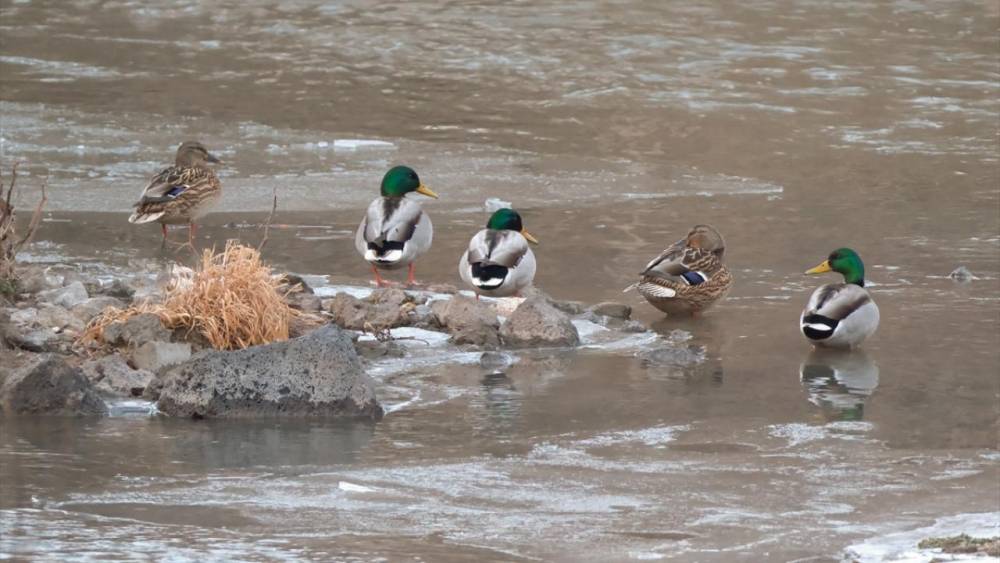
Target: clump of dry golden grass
[{"x": 232, "y": 301}]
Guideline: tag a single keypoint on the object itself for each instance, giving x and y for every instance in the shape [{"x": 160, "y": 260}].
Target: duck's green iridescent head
[
  {"x": 401, "y": 180},
  {"x": 843, "y": 261},
  {"x": 509, "y": 220}
]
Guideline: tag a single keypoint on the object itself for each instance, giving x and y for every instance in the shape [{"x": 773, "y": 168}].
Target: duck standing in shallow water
[
  {"x": 689, "y": 276},
  {"x": 499, "y": 262},
  {"x": 182, "y": 193},
  {"x": 395, "y": 229},
  {"x": 840, "y": 315}
]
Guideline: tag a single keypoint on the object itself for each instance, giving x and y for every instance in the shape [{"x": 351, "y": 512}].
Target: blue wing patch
[
  {"x": 694, "y": 278},
  {"x": 175, "y": 190}
]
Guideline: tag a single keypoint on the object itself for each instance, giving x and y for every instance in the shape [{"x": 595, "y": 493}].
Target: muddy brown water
[{"x": 613, "y": 127}]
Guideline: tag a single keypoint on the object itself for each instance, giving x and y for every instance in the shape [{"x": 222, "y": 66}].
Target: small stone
[
  {"x": 153, "y": 356},
  {"x": 305, "y": 302},
  {"x": 33, "y": 340},
  {"x": 113, "y": 376},
  {"x": 613, "y": 310},
  {"x": 961, "y": 274},
  {"x": 468, "y": 321},
  {"x": 95, "y": 306},
  {"x": 537, "y": 323},
  {"x": 68, "y": 297},
  {"x": 633, "y": 326},
  {"x": 495, "y": 361},
  {"x": 138, "y": 329}
]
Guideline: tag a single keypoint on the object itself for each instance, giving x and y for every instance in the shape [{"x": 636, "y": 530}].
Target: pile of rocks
[{"x": 317, "y": 374}]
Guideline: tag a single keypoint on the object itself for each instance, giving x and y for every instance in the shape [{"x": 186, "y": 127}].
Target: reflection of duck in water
[{"x": 839, "y": 382}]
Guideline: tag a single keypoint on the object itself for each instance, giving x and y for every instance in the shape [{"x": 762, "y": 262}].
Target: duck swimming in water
[
  {"x": 840, "y": 315},
  {"x": 689, "y": 276}
]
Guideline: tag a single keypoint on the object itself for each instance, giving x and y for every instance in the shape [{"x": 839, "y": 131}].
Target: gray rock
[
  {"x": 111, "y": 375},
  {"x": 568, "y": 307},
  {"x": 537, "y": 323},
  {"x": 961, "y": 274},
  {"x": 33, "y": 340},
  {"x": 384, "y": 308},
  {"x": 305, "y": 302},
  {"x": 116, "y": 288},
  {"x": 31, "y": 278},
  {"x": 673, "y": 356},
  {"x": 613, "y": 310},
  {"x": 46, "y": 384},
  {"x": 95, "y": 306},
  {"x": 57, "y": 318},
  {"x": 315, "y": 375},
  {"x": 68, "y": 297},
  {"x": 154, "y": 356},
  {"x": 137, "y": 330},
  {"x": 495, "y": 361},
  {"x": 467, "y": 320}
]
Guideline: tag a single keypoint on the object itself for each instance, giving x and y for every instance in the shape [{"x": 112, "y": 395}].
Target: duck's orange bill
[{"x": 529, "y": 236}]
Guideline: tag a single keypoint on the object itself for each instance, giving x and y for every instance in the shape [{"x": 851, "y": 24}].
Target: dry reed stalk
[
  {"x": 10, "y": 245},
  {"x": 232, "y": 301}
]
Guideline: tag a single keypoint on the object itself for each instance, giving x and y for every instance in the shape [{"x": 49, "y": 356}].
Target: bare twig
[
  {"x": 36, "y": 218},
  {"x": 267, "y": 222}
]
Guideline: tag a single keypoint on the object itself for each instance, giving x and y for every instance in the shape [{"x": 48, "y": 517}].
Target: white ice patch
[
  {"x": 411, "y": 336},
  {"x": 495, "y": 204},
  {"x": 355, "y": 144},
  {"x": 797, "y": 433},
  {"x": 352, "y": 488},
  {"x": 653, "y": 436},
  {"x": 902, "y": 546}
]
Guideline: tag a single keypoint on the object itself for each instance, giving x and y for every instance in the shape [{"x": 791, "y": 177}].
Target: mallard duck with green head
[
  {"x": 182, "y": 193},
  {"x": 395, "y": 230},
  {"x": 840, "y": 315},
  {"x": 689, "y": 276},
  {"x": 499, "y": 262}
]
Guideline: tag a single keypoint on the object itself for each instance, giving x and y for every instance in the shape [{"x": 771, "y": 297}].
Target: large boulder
[
  {"x": 111, "y": 375},
  {"x": 536, "y": 322},
  {"x": 318, "y": 374},
  {"x": 469, "y": 321},
  {"x": 46, "y": 384}
]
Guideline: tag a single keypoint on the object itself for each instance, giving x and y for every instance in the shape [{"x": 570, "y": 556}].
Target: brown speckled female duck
[
  {"x": 689, "y": 276},
  {"x": 181, "y": 193}
]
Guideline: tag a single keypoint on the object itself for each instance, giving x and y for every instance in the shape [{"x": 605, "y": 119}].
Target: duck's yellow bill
[
  {"x": 824, "y": 267},
  {"x": 422, "y": 189},
  {"x": 528, "y": 236}
]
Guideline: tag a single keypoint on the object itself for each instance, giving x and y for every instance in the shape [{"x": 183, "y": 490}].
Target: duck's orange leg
[
  {"x": 379, "y": 282},
  {"x": 409, "y": 276}
]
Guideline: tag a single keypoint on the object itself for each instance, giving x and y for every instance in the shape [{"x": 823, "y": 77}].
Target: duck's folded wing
[
  {"x": 172, "y": 182},
  {"x": 392, "y": 220},
  {"x": 690, "y": 266},
  {"x": 500, "y": 248},
  {"x": 837, "y": 301}
]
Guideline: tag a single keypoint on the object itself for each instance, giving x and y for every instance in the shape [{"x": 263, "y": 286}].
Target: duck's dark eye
[{"x": 834, "y": 256}]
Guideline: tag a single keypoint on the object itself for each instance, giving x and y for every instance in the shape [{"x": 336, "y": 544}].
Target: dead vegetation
[
  {"x": 10, "y": 242},
  {"x": 231, "y": 300},
  {"x": 963, "y": 543}
]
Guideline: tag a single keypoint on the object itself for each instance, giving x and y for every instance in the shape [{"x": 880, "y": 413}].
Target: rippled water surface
[{"x": 794, "y": 128}]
